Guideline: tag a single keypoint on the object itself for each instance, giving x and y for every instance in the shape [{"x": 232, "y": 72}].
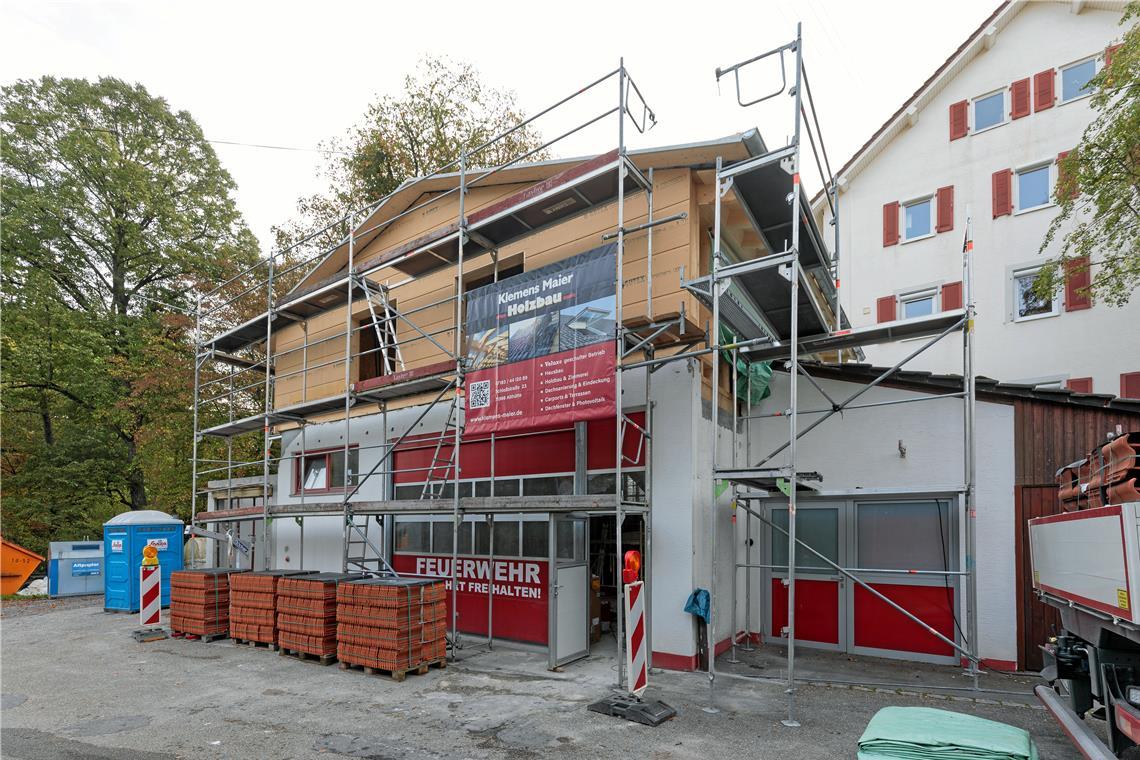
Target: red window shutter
[
  {"x": 1019, "y": 98},
  {"x": 1077, "y": 277},
  {"x": 1108, "y": 51},
  {"x": 886, "y": 308},
  {"x": 1079, "y": 384},
  {"x": 959, "y": 120},
  {"x": 1002, "y": 192},
  {"x": 1130, "y": 385},
  {"x": 1066, "y": 184},
  {"x": 1043, "y": 90},
  {"x": 890, "y": 223},
  {"x": 952, "y": 296},
  {"x": 945, "y": 206}
]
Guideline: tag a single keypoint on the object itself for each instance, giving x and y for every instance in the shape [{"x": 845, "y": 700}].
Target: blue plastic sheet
[{"x": 698, "y": 604}]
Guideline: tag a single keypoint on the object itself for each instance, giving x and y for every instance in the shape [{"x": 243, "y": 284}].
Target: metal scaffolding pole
[
  {"x": 970, "y": 458},
  {"x": 793, "y": 393},
  {"x": 459, "y": 420},
  {"x": 619, "y": 347},
  {"x": 347, "y": 509},
  {"x": 267, "y": 453},
  {"x": 198, "y": 361},
  {"x": 714, "y": 412}
]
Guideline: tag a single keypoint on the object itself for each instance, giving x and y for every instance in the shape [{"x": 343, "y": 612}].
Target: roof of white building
[{"x": 980, "y": 40}]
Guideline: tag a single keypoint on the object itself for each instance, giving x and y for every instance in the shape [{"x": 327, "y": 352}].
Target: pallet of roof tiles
[
  {"x": 200, "y": 603},
  {"x": 253, "y": 607},
  {"x": 393, "y": 626},
  {"x": 306, "y": 615}
]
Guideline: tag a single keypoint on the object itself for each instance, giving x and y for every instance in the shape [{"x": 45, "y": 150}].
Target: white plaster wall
[
  {"x": 673, "y": 541},
  {"x": 922, "y": 158},
  {"x": 859, "y": 450}
]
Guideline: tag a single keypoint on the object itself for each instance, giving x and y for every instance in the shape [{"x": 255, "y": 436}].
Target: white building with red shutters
[{"x": 981, "y": 139}]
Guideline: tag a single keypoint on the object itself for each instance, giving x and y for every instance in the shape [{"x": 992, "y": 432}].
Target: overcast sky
[{"x": 293, "y": 74}]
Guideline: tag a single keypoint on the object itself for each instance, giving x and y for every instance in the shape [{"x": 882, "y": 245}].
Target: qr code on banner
[{"x": 479, "y": 394}]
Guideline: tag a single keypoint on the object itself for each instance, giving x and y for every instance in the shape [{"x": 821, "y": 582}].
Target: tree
[
  {"x": 445, "y": 108},
  {"x": 1099, "y": 187},
  {"x": 116, "y": 209}
]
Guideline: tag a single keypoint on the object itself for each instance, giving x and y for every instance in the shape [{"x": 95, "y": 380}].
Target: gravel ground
[{"x": 76, "y": 685}]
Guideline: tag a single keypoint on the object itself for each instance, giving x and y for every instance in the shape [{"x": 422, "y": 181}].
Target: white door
[{"x": 570, "y": 588}]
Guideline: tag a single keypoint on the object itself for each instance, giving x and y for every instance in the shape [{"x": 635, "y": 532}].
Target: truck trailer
[{"x": 1086, "y": 564}]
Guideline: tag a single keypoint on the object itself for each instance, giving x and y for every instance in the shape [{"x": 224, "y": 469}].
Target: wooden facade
[
  {"x": 309, "y": 356},
  {"x": 1047, "y": 436}
]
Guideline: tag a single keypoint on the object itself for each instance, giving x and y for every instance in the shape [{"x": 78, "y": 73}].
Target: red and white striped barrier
[
  {"x": 150, "y": 595},
  {"x": 636, "y": 668}
]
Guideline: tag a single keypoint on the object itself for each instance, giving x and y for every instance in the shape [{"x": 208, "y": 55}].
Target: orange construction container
[{"x": 16, "y": 565}]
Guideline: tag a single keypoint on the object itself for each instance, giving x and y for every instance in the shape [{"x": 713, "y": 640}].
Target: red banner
[
  {"x": 541, "y": 346},
  {"x": 520, "y": 593}
]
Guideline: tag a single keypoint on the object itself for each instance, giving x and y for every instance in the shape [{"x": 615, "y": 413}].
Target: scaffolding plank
[
  {"x": 471, "y": 504},
  {"x": 766, "y": 478},
  {"x": 886, "y": 332}
]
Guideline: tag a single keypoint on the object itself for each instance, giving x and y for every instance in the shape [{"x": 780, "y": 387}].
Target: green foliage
[
  {"x": 444, "y": 109},
  {"x": 115, "y": 210},
  {"x": 1099, "y": 190}
]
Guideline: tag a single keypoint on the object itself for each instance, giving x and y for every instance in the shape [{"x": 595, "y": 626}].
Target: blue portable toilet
[{"x": 124, "y": 537}]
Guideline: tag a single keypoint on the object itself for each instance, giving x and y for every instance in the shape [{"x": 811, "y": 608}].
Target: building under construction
[{"x": 507, "y": 376}]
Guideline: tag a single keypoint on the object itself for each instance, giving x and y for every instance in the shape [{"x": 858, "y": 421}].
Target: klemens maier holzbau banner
[{"x": 541, "y": 345}]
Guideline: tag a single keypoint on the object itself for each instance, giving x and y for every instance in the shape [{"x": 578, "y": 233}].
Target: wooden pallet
[
  {"x": 195, "y": 637},
  {"x": 327, "y": 659},
  {"x": 254, "y": 643},
  {"x": 396, "y": 675}
]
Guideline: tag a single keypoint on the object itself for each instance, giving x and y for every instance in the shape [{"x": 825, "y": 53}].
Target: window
[
  {"x": 324, "y": 471},
  {"x": 378, "y": 350},
  {"x": 1075, "y": 79},
  {"x": 1026, "y": 303},
  {"x": 989, "y": 111},
  {"x": 818, "y": 528},
  {"x": 920, "y": 304},
  {"x": 1033, "y": 188},
  {"x": 918, "y": 220},
  {"x": 413, "y": 536},
  {"x": 905, "y": 536}
]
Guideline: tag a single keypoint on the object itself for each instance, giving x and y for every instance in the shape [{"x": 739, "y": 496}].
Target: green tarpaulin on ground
[{"x": 923, "y": 733}]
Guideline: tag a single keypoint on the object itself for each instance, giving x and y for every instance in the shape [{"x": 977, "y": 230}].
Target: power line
[{"x": 237, "y": 143}]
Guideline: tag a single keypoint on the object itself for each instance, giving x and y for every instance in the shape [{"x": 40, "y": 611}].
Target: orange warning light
[
  {"x": 150, "y": 555},
  {"x": 632, "y": 570}
]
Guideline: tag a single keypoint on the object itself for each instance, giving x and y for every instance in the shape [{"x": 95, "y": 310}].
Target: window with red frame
[{"x": 324, "y": 471}]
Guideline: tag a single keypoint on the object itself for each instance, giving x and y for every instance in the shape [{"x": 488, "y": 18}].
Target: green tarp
[
  {"x": 923, "y": 733},
  {"x": 754, "y": 376}
]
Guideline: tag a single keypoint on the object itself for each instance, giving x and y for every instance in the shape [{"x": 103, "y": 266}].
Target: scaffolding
[
  {"x": 794, "y": 288},
  {"x": 238, "y": 369},
  {"x": 778, "y": 307}
]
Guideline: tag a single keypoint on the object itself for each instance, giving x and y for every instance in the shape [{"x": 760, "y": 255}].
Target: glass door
[
  {"x": 820, "y": 601},
  {"x": 913, "y": 545}
]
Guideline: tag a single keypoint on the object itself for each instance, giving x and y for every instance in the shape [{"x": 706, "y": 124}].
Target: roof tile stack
[
  {"x": 200, "y": 601},
  {"x": 306, "y": 612},
  {"x": 253, "y": 605},
  {"x": 1109, "y": 475},
  {"x": 394, "y": 624}
]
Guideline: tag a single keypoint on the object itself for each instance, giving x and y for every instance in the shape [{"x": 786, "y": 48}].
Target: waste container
[
  {"x": 75, "y": 568},
  {"x": 124, "y": 537}
]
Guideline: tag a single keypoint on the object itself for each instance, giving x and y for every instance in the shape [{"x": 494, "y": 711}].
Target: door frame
[
  {"x": 553, "y": 661},
  {"x": 770, "y": 574},
  {"x": 848, "y": 557}
]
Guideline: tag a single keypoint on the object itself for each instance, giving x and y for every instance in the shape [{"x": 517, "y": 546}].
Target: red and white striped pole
[
  {"x": 150, "y": 589},
  {"x": 636, "y": 644}
]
